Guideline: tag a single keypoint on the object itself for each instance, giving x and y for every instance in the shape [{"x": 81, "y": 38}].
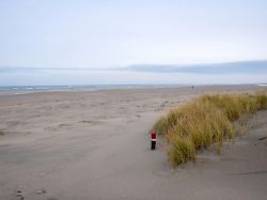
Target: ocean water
[
  {"x": 51, "y": 88},
  {"x": 25, "y": 81}
]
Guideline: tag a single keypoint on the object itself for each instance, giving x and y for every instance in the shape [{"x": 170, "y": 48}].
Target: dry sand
[{"x": 94, "y": 145}]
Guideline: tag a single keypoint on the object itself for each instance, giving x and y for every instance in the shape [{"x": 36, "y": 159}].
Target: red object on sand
[{"x": 153, "y": 136}]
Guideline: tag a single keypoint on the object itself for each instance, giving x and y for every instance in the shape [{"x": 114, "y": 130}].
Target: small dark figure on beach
[{"x": 153, "y": 138}]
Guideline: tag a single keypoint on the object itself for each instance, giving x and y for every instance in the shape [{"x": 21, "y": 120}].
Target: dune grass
[{"x": 204, "y": 121}]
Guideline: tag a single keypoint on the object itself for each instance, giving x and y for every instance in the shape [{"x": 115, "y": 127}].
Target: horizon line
[{"x": 224, "y": 67}]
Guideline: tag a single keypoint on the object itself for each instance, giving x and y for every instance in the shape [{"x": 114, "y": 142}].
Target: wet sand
[{"x": 94, "y": 145}]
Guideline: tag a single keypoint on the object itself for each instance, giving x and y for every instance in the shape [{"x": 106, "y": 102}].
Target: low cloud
[{"x": 245, "y": 67}]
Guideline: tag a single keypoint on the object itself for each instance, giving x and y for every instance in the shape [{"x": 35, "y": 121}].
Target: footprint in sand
[{"x": 19, "y": 195}]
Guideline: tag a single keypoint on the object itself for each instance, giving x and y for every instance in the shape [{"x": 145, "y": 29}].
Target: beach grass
[{"x": 204, "y": 121}]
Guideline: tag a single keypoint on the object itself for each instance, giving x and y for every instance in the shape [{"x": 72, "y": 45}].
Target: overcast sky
[
  {"x": 116, "y": 33},
  {"x": 113, "y": 33}
]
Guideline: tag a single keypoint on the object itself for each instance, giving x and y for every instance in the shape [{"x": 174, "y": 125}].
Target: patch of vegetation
[{"x": 204, "y": 121}]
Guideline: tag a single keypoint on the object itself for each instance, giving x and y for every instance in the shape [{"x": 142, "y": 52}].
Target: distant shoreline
[{"x": 89, "y": 88}]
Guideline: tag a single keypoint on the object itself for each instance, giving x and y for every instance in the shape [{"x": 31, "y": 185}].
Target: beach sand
[{"x": 95, "y": 145}]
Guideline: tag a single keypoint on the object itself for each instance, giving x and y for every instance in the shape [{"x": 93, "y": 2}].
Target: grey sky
[
  {"x": 118, "y": 33},
  {"x": 54, "y": 34}
]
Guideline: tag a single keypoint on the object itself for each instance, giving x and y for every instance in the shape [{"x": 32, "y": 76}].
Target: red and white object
[{"x": 153, "y": 138}]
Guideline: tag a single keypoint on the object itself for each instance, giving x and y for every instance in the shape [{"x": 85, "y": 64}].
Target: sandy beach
[{"x": 95, "y": 145}]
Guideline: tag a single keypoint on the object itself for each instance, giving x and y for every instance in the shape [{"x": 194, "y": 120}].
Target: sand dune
[{"x": 94, "y": 145}]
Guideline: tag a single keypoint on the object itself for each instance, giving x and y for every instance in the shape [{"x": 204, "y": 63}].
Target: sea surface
[{"x": 51, "y": 88}]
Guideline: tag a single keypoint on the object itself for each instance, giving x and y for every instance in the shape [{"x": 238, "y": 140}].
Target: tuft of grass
[
  {"x": 181, "y": 150},
  {"x": 206, "y": 120},
  {"x": 261, "y": 100}
]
